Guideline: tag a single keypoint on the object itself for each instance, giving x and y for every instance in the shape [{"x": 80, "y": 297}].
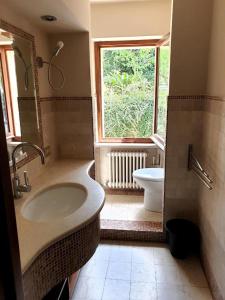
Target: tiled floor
[
  {"x": 127, "y": 208},
  {"x": 140, "y": 272}
]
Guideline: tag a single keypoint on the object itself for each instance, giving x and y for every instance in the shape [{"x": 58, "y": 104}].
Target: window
[
  {"x": 163, "y": 89},
  {"x": 130, "y": 90},
  {"x": 9, "y": 92}
]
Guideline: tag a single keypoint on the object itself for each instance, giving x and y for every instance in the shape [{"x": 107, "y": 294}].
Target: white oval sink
[{"x": 55, "y": 202}]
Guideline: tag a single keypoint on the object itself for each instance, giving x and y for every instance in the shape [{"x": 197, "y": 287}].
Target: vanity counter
[{"x": 35, "y": 237}]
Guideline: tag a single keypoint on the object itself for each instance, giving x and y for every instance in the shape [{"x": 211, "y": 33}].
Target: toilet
[{"x": 152, "y": 180}]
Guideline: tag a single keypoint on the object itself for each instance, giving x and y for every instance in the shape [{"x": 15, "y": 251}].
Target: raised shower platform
[{"x": 124, "y": 218}]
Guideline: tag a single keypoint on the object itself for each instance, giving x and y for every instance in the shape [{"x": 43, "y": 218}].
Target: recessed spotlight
[{"x": 48, "y": 18}]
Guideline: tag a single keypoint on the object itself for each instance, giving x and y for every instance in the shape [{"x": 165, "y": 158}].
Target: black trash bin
[{"x": 183, "y": 237}]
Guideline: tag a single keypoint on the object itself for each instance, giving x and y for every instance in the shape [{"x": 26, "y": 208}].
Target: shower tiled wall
[
  {"x": 199, "y": 120},
  {"x": 74, "y": 127},
  {"x": 212, "y": 203},
  {"x": 67, "y": 126},
  {"x": 184, "y": 128}
]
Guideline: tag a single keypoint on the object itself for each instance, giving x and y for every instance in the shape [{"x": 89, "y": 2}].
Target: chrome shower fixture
[
  {"x": 58, "y": 48},
  {"x": 40, "y": 63}
]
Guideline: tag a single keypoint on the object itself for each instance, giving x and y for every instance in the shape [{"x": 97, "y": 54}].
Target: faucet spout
[
  {"x": 26, "y": 144},
  {"x": 26, "y": 187}
]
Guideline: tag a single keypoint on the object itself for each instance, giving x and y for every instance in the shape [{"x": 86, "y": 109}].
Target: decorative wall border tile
[
  {"x": 25, "y": 98},
  {"x": 196, "y": 97},
  {"x": 74, "y": 98},
  {"x": 187, "y": 97},
  {"x": 215, "y": 98}
]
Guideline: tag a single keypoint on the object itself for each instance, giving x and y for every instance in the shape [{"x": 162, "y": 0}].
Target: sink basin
[{"x": 55, "y": 202}]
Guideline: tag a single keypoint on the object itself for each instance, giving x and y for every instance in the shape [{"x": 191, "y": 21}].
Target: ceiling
[{"x": 72, "y": 15}]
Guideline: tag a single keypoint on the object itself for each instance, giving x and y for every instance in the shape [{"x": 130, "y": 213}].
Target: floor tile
[
  {"x": 192, "y": 274},
  {"x": 95, "y": 269},
  {"x": 171, "y": 292},
  {"x": 119, "y": 270},
  {"x": 116, "y": 290},
  {"x": 143, "y": 273},
  {"x": 128, "y": 208},
  {"x": 167, "y": 275},
  {"x": 89, "y": 289},
  {"x": 162, "y": 256},
  {"x": 102, "y": 252},
  {"x": 142, "y": 255},
  {"x": 197, "y": 293},
  {"x": 143, "y": 291},
  {"x": 121, "y": 254},
  {"x": 146, "y": 271}
]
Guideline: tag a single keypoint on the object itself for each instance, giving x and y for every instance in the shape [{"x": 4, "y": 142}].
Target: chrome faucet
[{"x": 19, "y": 189}]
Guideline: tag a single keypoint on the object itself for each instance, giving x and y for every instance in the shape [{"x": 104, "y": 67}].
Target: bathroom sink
[{"x": 55, "y": 202}]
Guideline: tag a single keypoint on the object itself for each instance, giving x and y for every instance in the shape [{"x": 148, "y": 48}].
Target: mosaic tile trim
[
  {"x": 132, "y": 230},
  {"x": 129, "y": 235},
  {"x": 137, "y": 192},
  {"x": 215, "y": 98},
  {"x": 211, "y": 279},
  {"x": 131, "y": 225},
  {"x": 60, "y": 260},
  {"x": 44, "y": 99},
  {"x": 197, "y": 97},
  {"x": 25, "y": 98},
  {"x": 187, "y": 97}
]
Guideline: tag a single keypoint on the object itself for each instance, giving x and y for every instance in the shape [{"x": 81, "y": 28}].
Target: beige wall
[
  {"x": 212, "y": 204},
  {"x": 129, "y": 19},
  {"x": 73, "y": 117},
  {"x": 189, "y": 46},
  {"x": 74, "y": 60},
  {"x": 216, "y": 84},
  {"x": 197, "y": 67},
  {"x": 188, "y": 76}
]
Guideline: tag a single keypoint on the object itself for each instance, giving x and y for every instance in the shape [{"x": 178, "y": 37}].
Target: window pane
[
  {"x": 3, "y": 100},
  {"x": 128, "y": 92},
  {"x": 163, "y": 89}
]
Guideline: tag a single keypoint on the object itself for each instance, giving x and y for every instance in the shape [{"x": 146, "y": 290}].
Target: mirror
[{"x": 18, "y": 89}]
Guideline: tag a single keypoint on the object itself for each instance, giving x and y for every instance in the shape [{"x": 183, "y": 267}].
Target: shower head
[{"x": 59, "y": 46}]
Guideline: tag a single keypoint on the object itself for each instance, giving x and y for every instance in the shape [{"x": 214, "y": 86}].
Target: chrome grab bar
[{"x": 194, "y": 165}]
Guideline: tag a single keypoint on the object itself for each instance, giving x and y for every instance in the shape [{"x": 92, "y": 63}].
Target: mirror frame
[{"x": 22, "y": 34}]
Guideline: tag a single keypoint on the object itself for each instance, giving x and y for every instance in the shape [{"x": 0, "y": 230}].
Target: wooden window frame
[
  {"x": 7, "y": 89},
  {"x": 163, "y": 42},
  {"x": 116, "y": 44}
]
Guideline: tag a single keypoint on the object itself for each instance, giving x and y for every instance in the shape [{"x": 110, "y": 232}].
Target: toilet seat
[{"x": 151, "y": 174}]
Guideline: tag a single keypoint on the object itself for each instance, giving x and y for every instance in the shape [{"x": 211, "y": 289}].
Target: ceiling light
[{"x": 48, "y": 18}]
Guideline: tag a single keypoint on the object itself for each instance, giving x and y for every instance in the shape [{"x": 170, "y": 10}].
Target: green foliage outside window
[{"x": 128, "y": 92}]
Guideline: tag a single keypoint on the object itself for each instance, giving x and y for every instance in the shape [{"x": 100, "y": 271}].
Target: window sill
[{"x": 126, "y": 145}]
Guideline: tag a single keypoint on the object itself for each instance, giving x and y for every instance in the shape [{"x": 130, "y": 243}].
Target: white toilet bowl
[{"x": 152, "y": 180}]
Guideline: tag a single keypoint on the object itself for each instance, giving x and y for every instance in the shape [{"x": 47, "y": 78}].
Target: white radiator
[{"x": 121, "y": 167}]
